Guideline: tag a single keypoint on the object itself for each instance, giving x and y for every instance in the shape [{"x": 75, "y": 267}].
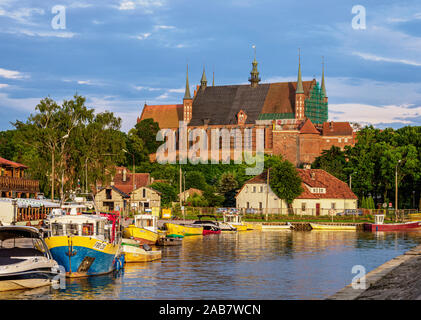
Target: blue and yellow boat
[{"x": 83, "y": 244}]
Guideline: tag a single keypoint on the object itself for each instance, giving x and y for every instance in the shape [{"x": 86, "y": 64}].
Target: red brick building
[{"x": 292, "y": 115}]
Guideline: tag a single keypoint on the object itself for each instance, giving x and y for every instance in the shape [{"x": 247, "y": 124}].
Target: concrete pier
[{"x": 397, "y": 279}]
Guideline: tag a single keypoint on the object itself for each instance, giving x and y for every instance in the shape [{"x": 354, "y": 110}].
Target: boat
[
  {"x": 318, "y": 226},
  {"x": 379, "y": 225},
  {"x": 253, "y": 226},
  {"x": 144, "y": 230},
  {"x": 134, "y": 252},
  {"x": 25, "y": 261},
  {"x": 275, "y": 227},
  {"x": 414, "y": 217},
  {"x": 170, "y": 241},
  {"x": 209, "y": 226},
  {"x": 84, "y": 244},
  {"x": 183, "y": 230},
  {"x": 234, "y": 220}
]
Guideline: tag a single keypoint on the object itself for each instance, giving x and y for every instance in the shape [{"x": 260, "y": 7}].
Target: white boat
[
  {"x": 234, "y": 220},
  {"x": 275, "y": 227},
  {"x": 25, "y": 261}
]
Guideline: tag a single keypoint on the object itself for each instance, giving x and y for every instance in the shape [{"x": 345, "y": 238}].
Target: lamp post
[
  {"x": 133, "y": 175},
  {"x": 350, "y": 180},
  {"x": 396, "y": 189}
]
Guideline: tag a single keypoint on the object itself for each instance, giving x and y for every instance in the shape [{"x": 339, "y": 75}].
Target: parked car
[
  {"x": 221, "y": 210},
  {"x": 251, "y": 211}
]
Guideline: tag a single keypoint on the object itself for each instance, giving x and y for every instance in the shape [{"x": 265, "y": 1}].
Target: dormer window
[{"x": 241, "y": 117}]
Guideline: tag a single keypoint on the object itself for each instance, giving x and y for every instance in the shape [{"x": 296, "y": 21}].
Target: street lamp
[
  {"x": 350, "y": 180},
  {"x": 396, "y": 188}
]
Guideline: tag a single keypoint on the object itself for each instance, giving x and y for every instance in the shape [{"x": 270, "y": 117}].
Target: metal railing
[{"x": 19, "y": 184}]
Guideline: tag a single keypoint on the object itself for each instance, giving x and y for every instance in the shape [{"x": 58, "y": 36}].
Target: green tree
[
  {"x": 168, "y": 192},
  {"x": 285, "y": 181},
  {"x": 195, "y": 179}
]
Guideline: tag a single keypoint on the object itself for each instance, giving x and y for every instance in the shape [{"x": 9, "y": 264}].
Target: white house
[{"x": 323, "y": 194}]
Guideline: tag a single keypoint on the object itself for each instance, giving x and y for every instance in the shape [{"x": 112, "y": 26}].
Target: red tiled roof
[
  {"x": 309, "y": 128},
  {"x": 316, "y": 178},
  {"x": 167, "y": 116},
  {"x": 6, "y": 162},
  {"x": 141, "y": 180},
  {"x": 337, "y": 129}
]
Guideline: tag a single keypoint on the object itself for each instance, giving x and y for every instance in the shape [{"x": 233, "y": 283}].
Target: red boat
[
  {"x": 209, "y": 227},
  {"x": 392, "y": 226}
]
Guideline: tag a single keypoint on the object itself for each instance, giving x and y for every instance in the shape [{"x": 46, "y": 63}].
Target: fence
[{"x": 31, "y": 214}]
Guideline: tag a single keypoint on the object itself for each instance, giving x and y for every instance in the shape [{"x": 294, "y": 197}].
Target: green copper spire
[
  {"x": 323, "y": 78},
  {"x": 299, "y": 81},
  {"x": 254, "y": 74},
  {"x": 187, "y": 93},
  {"x": 203, "y": 82}
]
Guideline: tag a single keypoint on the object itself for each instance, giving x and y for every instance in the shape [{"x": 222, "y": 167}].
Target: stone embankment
[{"x": 397, "y": 279}]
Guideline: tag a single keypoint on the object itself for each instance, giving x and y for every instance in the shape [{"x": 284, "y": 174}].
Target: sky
[{"x": 120, "y": 54}]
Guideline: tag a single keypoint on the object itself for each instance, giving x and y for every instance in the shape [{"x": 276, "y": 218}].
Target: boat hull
[
  {"x": 169, "y": 241},
  {"x": 83, "y": 256},
  {"x": 207, "y": 232},
  {"x": 276, "y": 227},
  {"x": 143, "y": 236},
  {"x": 239, "y": 227},
  {"x": 177, "y": 229},
  {"x": 392, "y": 226},
  {"x": 135, "y": 254},
  {"x": 23, "y": 284},
  {"x": 317, "y": 226}
]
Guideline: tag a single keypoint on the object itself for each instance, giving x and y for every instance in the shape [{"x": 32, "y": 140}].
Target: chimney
[
  {"x": 307, "y": 166},
  {"x": 124, "y": 175},
  {"x": 312, "y": 175}
]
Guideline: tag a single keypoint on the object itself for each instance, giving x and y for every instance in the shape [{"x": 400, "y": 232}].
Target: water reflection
[{"x": 245, "y": 265}]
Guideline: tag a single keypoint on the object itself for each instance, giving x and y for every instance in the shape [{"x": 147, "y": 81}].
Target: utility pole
[
  {"x": 396, "y": 190},
  {"x": 267, "y": 194}
]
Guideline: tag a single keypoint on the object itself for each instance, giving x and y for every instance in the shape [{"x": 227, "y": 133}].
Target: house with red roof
[
  {"x": 13, "y": 181},
  {"x": 126, "y": 191},
  {"x": 323, "y": 194}
]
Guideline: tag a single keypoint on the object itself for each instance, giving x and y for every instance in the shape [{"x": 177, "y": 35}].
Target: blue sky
[{"x": 119, "y": 54}]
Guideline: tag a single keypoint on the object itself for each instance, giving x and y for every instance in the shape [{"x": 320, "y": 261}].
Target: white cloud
[
  {"x": 181, "y": 90},
  {"x": 87, "y": 82},
  {"x": 3, "y": 85},
  {"x": 19, "y": 104},
  {"x": 164, "y": 27},
  {"x": 11, "y": 74},
  {"x": 369, "y": 114},
  {"x": 22, "y": 15},
  {"x": 372, "y": 57},
  {"x": 139, "y": 88},
  {"x": 146, "y": 5},
  {"x": 143, "y": 36},
  {"x": 40, "y": 33}
]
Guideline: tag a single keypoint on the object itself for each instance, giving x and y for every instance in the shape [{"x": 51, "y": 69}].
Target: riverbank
[{"x": 397, "y": 279}]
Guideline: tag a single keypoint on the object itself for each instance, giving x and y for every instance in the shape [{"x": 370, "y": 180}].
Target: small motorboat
[
  {"x": 318, "y": 226},
  {"x": 209, "y": 226},
  {"x": 234, "y": 220},
  {"x": 170, "y": 241},
  {"x": 379, "y": 225},
  {"x": 25, "y": 261},
  {"x": 275, "y": 226},
  {"x": 144, "y": 230},
  {"x": 134, "y": 252},
  {"x": 183, "y": 230}
]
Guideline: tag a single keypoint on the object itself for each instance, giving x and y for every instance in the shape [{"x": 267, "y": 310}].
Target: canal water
[{"x": 246, "y": 265}]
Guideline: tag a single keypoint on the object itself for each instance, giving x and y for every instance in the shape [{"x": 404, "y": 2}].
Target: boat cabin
[
  {"x": 81, "y": 225},
  {"x": 146, "y": 221},
  {"x": 232, "y": 218}
]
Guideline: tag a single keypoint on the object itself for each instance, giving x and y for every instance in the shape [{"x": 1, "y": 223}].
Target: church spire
[
  {"x": 254, "y": 74},
  {"x": 203, "y": 81},
  {"x": 299, "y": 80},
  {"x": 323, "y": 77},
  {"x": 187, "y": 92}
]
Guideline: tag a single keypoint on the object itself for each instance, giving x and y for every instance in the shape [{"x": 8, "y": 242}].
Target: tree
[
  {"x": 332, "y": 161},
  {"x": 147, "y": 130},
  {"x": 195, "y": 179},
  {"x": 285, "y": 181},
  {"x": 227, "y": 186},
  {"x": 168, "y": 192}
]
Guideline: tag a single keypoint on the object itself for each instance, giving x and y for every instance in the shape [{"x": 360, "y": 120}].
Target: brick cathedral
[{"x": 293, "y": 115}]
